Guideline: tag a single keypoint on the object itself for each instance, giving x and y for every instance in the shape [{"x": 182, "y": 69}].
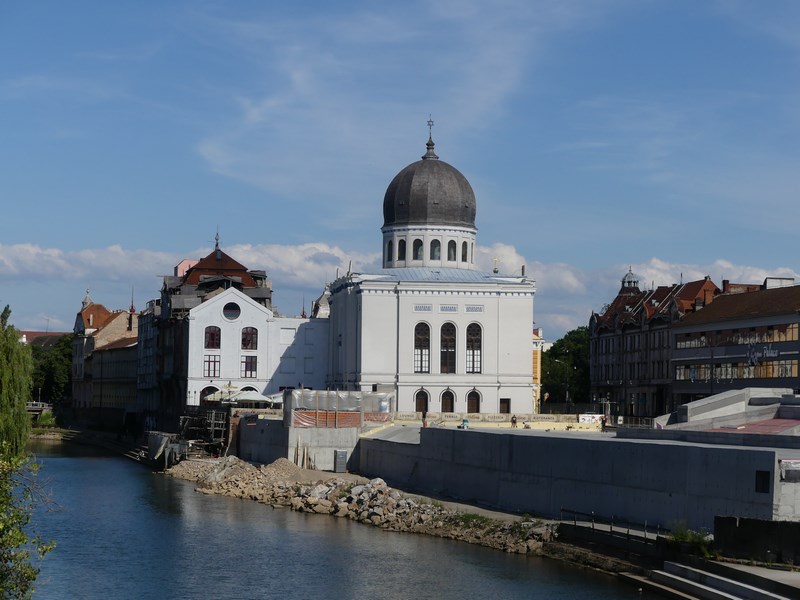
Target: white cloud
[{"x": 45, "y": 285}]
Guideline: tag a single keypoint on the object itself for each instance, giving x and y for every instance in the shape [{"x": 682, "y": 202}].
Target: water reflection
[{"x": 128, "y": 533}]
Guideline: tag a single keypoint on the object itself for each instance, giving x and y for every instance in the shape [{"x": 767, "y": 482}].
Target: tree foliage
[
  {"x": 52, "y": 371},
  {"x": 17, "y": 488},
  {"x": 16, "y": 367},
  {"x": 565, "y": 367}
]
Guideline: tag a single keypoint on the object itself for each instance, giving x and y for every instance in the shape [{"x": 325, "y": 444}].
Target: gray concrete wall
[
  {"x": 729, "y": 403},
  {"x": 661, "y": 483},
  {"x": 262, "y": 440},
  {"x": 313, "y": 448},
  {"x": 729, "y": 438},
  {"x": 267, "y": 440}
]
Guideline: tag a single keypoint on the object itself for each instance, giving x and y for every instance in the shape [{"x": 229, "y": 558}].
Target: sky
[{"x": 598, "y": 136}]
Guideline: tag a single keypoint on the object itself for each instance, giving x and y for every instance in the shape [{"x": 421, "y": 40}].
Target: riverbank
[{"x": 372, "y": 502}]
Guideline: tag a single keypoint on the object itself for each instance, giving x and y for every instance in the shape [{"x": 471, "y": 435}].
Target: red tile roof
[
  {"x": 218, "y": 264},
  {"x": 763, "y": 303}
]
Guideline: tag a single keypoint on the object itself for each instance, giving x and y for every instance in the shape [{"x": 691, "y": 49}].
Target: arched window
[
  {"x": 472, "y": 253},
  {"x": 421, "y": 401},
  {"x": 474, "y": 402},
  {"x": 213, "y": 336},
  {"x": 448, "y": 401},
  {"x": 389, "y": 248},
  {"x": 448, "y": 348},
  {"x": 474, "y": 340},
  {"x": 401, "y": 250},
  {"x": 422, "y": 348},
  {"x": 464, "y": 252},
  {"x": 436, "y": 250},
  {"x": 249, "y": 338},
  {"x": 451, "y": 250},
  {"x": 417, "y": 249}
]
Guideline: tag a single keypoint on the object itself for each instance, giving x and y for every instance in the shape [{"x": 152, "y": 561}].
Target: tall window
[
  {"x": 418, "y": 250},
  {"x": 474, "y": 348},
  {"x": 464, "y": 251},
  {"x": 422, "y": 348},
  {"x": 451, "y": 250},
  {"x": 401, "y": 250},
  {"x": 389, "y": 248},
  {"x": 249, "y": 338},
  {"x": 212, "y": 337},
  {"x": 436, "y": 250},
  {"x": 249, "y": 367},
  {"x": 473, "y": 402},
  {"x": 448, "y": 401},
  {"x": 211, "y": 365},
  {"x": 448, "y": 348}
]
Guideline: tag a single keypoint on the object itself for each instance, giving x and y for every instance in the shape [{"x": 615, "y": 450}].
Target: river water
[{"x": 124, "y": 532}]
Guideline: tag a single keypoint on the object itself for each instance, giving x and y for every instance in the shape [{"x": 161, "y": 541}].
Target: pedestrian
[
  {"x": 603, "y": 423},
  {"x": 513, "y": 421}
]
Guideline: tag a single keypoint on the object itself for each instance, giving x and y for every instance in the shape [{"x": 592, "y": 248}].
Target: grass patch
[
  {"x": 469, "y": 520},
  {"x": 696, "y": 542}
]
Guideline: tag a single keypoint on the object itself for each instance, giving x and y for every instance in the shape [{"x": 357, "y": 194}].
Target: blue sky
[{"x": 597, "y": 135}]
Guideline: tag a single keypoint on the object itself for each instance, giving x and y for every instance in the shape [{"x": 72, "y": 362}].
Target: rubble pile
[{"x": 373, "y": 503}]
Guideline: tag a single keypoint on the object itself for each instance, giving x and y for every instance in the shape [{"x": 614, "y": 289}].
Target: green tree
[
  {"x": 16, "y": 368},
  {"x": 17, "y": 488},
  {"x": 565, "y": 368},
  {"x": 52, "y": 370}
]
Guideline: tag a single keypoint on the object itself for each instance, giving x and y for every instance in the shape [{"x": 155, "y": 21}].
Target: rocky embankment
[{"x": 374, "y": 503}]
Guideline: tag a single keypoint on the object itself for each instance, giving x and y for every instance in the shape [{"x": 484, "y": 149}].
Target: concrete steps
[
  {"x": 648, "y": 585},
  {"x": 682, "y": 581}
]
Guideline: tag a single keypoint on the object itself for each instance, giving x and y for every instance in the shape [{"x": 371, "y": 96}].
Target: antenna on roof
[{"x": 681, "y": 278}]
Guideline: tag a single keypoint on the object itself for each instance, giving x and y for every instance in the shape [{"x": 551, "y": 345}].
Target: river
[{"x": 125, "y": 532}]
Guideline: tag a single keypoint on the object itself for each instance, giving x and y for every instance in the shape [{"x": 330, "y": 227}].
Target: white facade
[
  {"x": 429, "y": 327},
  {"x": 235, "y": 343},
  {"x": 373, "y": 323}
]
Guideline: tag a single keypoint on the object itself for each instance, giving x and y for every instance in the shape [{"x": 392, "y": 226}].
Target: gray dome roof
[{"x": 429, "y": 192}]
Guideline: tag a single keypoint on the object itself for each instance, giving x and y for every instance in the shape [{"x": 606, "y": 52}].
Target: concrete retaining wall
[
  {"x": 731, "y": 438},
  {"x": 266, "y": 440},
  {"x": 767, "y": 541},
  {"x": 661, "y": 483}
]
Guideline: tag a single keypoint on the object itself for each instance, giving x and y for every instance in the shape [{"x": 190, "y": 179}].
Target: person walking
[{"x": 513, "y": 421}]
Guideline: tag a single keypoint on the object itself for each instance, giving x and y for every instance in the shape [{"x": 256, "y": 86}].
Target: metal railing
[{"x": 616, "y": 525}]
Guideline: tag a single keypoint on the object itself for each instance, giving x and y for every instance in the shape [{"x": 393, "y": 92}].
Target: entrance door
[
  {"x": 422, "y": 401},
  {"x": 448, "y": 400},
  {"x": 473, "y": 402}
]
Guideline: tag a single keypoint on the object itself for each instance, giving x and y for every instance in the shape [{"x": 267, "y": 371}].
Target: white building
[
  {"x": 442, "y": 335},
  {"x": 237, "y": 344}
]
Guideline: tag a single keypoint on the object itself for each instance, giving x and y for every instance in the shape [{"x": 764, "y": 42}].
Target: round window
[{"x": 231, "y": 311}]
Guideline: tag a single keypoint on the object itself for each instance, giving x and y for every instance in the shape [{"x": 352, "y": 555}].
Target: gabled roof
[
  {"x": 632, "y": 305},
  {"x": 218, "y": 264},
  {"x": 94, "y": 316},
  {"x": 763, "y": 303}
]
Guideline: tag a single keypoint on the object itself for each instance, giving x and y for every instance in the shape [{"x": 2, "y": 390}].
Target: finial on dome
[{"x": 430, "y": 153}]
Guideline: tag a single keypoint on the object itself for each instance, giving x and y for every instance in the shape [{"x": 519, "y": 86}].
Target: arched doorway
[
  {"x": 207, "y": 394},
  {"x": 421, "y": 401},
  {"x": 448, "y": 401},
  {"x": 474, "y": 402}
]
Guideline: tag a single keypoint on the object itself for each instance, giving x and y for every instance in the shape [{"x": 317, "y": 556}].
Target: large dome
[{"x": 429, "y": 192}]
